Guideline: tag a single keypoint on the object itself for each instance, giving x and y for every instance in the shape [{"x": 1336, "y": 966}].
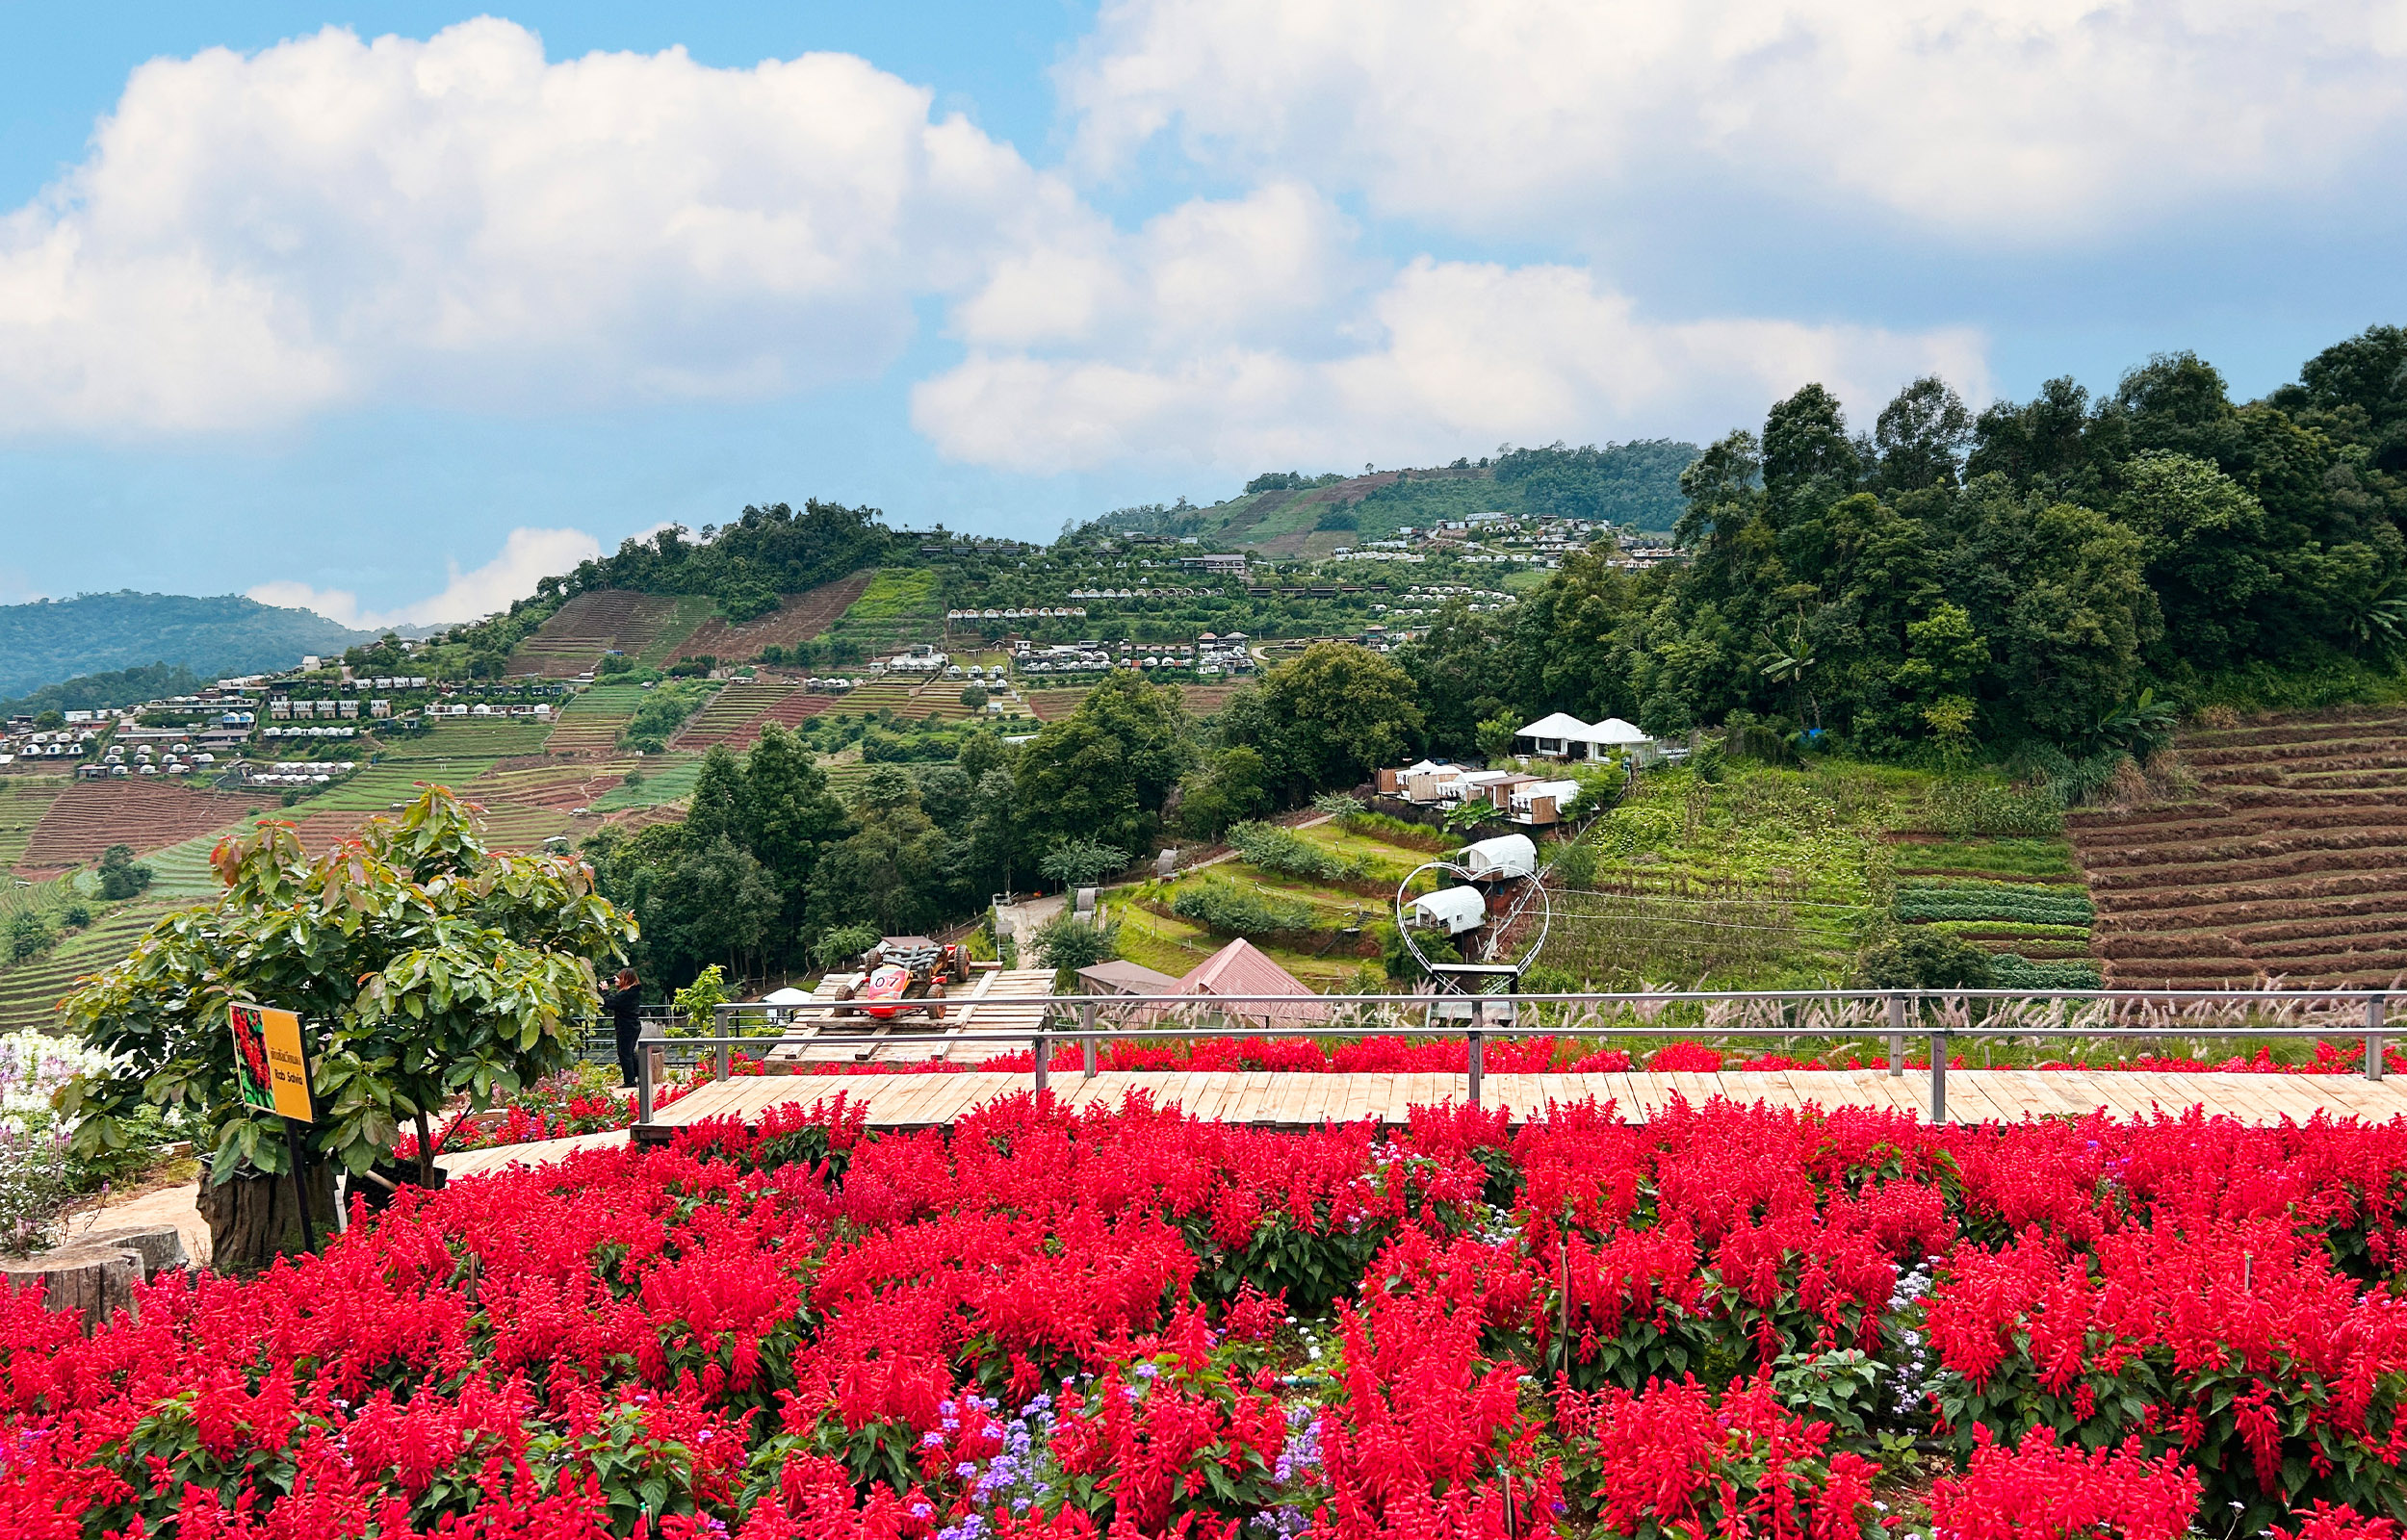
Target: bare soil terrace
[
  {"x": 590, "y": 624},
  {"x": 797, "y": 617},
  {"x": 85, "y": 818},
  {"x": 2287, "y": 864}
]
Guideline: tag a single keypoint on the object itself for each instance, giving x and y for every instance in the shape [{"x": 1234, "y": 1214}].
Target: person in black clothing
[{"x": 624, "y": 1002}]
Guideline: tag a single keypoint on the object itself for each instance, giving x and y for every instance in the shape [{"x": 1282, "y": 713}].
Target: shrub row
[
  {"x": 1282, "y": 850},
  {"x": 1226, "y": 911}
]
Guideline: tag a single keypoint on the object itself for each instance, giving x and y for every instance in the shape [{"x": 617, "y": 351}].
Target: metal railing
[{"x": 1945, "y": 1017}]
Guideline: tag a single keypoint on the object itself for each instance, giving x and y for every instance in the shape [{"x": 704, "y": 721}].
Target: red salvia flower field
[{"x": 1035, "y": 1325}]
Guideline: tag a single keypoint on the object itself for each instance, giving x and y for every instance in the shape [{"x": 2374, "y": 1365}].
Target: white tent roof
[
  {"x": 1453, "y": 909},
  {"x": 1613, "y": 729},
  {"x": 1555, "y": 725},
  {"x": 1512, "y": 855},
  {"x": 786, "y": 997}
]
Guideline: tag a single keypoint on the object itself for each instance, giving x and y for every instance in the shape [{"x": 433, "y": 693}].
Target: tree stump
[
  {"x": 94, "y": 1281},
  {"x": 161, "y": 1247},
  {"x": 253, "y": 1219}
]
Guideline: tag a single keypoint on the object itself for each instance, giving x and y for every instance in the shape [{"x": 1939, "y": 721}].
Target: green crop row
[
  {"x": 2011, "y": 971},
  {"x": 1964, "y": 807},
  {"x": 2023, "y": 903},
  {"x": 2017, "y": 929},
  {"x": 2011, "y": 858}
]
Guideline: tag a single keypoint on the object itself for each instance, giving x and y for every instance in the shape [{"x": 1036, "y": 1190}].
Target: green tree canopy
[
  {"x": 424, "y": 967},
  {"x": 1105, "y": 771},
  {"x": 1342, "y": 711}
]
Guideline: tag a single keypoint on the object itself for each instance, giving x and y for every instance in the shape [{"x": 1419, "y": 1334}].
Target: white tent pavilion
[
  {"x": 1560, "y": 735},
  {"x": 1451, "y": 910}
]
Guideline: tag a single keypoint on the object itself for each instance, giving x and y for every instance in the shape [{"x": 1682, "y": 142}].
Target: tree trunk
[
  {"x": 94, "y": 1281},
  {"x": 160, "y": 1247},
  {"x": 252, "y": 1220}
]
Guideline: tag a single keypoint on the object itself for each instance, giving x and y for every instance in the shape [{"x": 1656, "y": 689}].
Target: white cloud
[
  {"x": 1466, "y": 355},
  {"x": 527, "y": 556},
  {"x": 459, "y": 221},
  {"x": 2026, "y": 119}
]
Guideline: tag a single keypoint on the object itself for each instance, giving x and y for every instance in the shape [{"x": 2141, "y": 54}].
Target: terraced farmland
[
  {"x": 666, "y": 778},
  {"x": 797, "y": 617},
  {"x": 685, "y": 612},
  {"x": 738, "y": 706},
  {"x": 939, "y": 700},
  {"x": 1051, "y": 706},
  {"x": 574, "y": 638},
  {"x": 181, "y": 873},
  {"x": 2288, "y": 863},
  {"x": 488, "y": 737},
  {"x": 593, "y": 719},
  {"x": 23, "y": 800},
  {"x": 898, "y": 696},
  {"x": 88, "y": 816},
  {"x": 898, "y": 607},
  {"x": 1197, "y": 700},
  {"x": 2019, "y": 899},
  {"x": 559, "y": 787},
  {"x": 30, "y": 990}
]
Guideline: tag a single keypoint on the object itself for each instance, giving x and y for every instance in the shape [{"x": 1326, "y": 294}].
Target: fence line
[{"x": 1943, "y": 1016}]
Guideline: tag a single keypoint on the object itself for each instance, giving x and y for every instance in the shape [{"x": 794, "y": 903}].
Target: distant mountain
[
  {"x": 1636, "y": 485},
  {"x": 52, "y": 640}
]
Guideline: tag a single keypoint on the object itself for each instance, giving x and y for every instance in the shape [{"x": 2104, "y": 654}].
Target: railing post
[
  {"x": 643, "y": 1082},
  {"x": 1897, "y": 1034},
  {"x": 1086, "y": 1024},
  {"x": 1044, "y": 1053},
  {"x": 1478, "y": 1063},
  {"x": 723, "y": 1027},
  {"x": 1939, "y": 1077},
  {"x": 2374, "y": 1007}
]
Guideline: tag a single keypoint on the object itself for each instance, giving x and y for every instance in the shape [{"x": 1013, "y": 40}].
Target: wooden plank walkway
[
  {"x": 476, "y": 1162},
  {"x": 1288, "y": 1100}
]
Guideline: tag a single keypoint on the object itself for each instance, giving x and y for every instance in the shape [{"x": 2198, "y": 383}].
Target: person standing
[{"x": 624, "y": 1003}]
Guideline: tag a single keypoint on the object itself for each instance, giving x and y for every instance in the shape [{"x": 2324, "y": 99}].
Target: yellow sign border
[{"x": 274, "y": 1037}]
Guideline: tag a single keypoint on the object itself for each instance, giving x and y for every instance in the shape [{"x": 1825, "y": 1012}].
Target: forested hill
[
  {"x": 45, "y": 642},
  {"x": 745, "y": 564},
  {"x": 2054, "y": 577},
  {"x": 1636, "y": 485}
]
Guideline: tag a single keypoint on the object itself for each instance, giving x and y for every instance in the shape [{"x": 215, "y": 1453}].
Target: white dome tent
[
  {"x": 1451, "y": 910},
  {"x": 1506, "y": 855}
]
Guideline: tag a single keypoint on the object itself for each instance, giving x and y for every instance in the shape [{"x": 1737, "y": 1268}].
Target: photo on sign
[
  {"x": 271, "y": 1061},
  {"x": 254, "y": 1082}
]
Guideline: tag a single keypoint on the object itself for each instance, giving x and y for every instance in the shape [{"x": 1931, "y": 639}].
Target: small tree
[
  {"x": 1496, "y": 737},
  {"x": 28, "y": 936},
  {"x": 1081, "y": 863},
  {"x": 122, "y": 876},
  {"x": 841, "y": 945},
  {"x": 975, "y": 697},
  {"x": 424, "y": 967},
  {"x": 1065, "y": 943},
  {"x": 699, "y": 1001},
  {"x": 1925, "y": 959}
]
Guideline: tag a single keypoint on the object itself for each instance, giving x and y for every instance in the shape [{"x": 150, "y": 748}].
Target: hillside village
[{"x": 1240, "y": 722}]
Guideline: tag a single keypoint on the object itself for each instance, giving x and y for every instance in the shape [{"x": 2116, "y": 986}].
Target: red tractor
[{"x": 905, "y": 973}]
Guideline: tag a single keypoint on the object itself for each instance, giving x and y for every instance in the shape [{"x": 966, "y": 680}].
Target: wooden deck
[{"x": 1286, "y": 1100}]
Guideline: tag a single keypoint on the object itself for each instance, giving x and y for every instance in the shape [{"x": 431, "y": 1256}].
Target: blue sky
[{"x": 391, "y": 317}]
